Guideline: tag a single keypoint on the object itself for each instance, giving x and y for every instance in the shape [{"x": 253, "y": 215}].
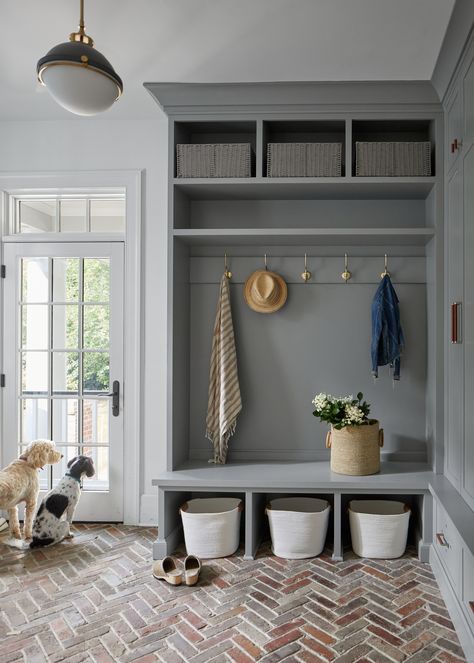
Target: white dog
[
  {"x": 50, "y": 527},
  {"x": 19, "y": 483}
]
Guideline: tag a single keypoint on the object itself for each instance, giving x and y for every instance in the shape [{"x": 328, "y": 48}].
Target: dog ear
[
  {"x": 90, "y": 471},
  {"x": 37, "y": 453},
  {"x": 73, "y": 460}
]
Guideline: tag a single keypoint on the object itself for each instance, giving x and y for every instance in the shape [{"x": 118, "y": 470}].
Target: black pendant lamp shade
[{"x": 78, "y": 76}]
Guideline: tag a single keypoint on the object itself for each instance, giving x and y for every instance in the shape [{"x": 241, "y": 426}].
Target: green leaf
[{"x": 360, "y": 395}]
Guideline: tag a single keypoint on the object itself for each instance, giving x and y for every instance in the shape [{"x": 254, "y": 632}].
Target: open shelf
[
  {"x": 308, "y": 236},
  {"x": 306, "y": 188}
]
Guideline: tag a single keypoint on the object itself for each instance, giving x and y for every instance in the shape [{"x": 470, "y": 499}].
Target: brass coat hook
[
  {"x": 385, "y": 272},
  {"x": 306, "y": 275},
  {"x": 265, "y": 261},
  {"x": 346, "y": 274},
  {"x": 227, "y": 271}
]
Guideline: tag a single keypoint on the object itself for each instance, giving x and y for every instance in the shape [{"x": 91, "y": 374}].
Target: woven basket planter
[
  {"x": 355, "y": 450},
  {"x": 379, "y": 528},
  {"x": 211, "y": 526},
  {"x": 298, "y": 526},
  {"x": 393, "y": 159},
  {"x": 304, "y": 159}
]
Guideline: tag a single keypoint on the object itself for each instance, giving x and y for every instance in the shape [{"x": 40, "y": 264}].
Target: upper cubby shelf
[
  {"x": 305, "y": 188},
  {"x": 307, "y": 236},
  {"x": 399, "y": 131},
  {"x": 214, "y": 133}
]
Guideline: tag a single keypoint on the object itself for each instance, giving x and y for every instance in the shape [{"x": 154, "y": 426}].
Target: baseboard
[
  {"x": 167, "y": 545},
  {"x": 461, "y": 625},
  {"x": 149, "y": 509}
]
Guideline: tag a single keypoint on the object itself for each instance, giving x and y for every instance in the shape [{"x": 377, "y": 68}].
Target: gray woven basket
[
  {"x": 304, "y": 159},
  {"x": 393, "y": 159},
  {"x": 213, "y": 160}
]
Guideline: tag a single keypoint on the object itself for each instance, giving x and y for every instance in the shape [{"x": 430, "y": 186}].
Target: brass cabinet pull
[
  {"x": 455, "y": 322},
  {"x": 442, "y": 540},
  {"x": 456, "y": 145}
]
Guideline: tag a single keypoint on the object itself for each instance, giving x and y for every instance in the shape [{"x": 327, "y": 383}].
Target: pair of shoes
[{"x": 166, "y": 569}]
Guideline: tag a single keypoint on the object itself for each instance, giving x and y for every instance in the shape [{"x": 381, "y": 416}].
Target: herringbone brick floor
[{"x": 94, "y": 599}]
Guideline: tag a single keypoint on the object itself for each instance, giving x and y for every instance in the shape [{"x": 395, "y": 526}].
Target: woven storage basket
[
  {"x": 393, "y": 159},
  {"x": 304, "y": 159},
  {"x": 213, "y": 160},
  {"x": 232, "y": 160},
  {"x": 211, "y": 526},
  {"x": 379, "y": 528},
  {"x": 298, "y": 526},
  {"x": 355, "y": 450}
]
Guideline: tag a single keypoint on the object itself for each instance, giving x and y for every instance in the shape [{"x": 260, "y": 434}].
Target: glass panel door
[{"x": 64, "y": 349}]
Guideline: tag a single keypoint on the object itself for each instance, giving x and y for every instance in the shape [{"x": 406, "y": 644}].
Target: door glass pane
[
  {"x": 107, "y": 215},
  {"x": 100, "y": 456},
  {"x": 65, "y": 372},
  {"x": 65, "y": 279},
  {"x": 65, "y": 326},
  {"x": 34, "y": 371},
  {"x": 65, "y": 421},
  {"x": 34, "y": 327},
  {"x": 96, "y": 327},
  {"x": 35, "y": 280},
  {"x": 95, "y": 421},
  {"x": 60, "y": 469},
  {"x": 72, "y": 216},
  {"x": 95, "y": 369},
  {"x": 96, "y": 279},
  {"x": 34, "y": 419},
  {"x": 37, "y": 216}
]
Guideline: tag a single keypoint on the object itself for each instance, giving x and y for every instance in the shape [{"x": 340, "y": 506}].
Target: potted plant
[{"x": 354, "y": 438}]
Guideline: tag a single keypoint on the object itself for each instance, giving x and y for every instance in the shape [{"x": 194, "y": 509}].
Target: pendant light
[{"x": 78, "y": 77}]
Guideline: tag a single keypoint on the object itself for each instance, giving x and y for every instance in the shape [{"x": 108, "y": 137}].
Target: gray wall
[{"x": 320, "y": 341}]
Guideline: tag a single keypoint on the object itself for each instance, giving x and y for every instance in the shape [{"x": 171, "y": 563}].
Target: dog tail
[{"x": 39, "y": 543}]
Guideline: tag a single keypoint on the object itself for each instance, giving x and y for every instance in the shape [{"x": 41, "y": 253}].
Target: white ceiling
[{"x": 219, "y": 41}]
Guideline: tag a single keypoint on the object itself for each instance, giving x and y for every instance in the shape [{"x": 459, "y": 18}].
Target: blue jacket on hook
[{"x": 387, "y": 334}]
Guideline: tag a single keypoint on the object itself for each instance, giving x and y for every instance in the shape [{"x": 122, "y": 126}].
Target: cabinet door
[
  {"x": 468, "y": 106},
  {"x": 453, "y": 126},
  {"x": 455, "y": 358},
  {"x": 468, "y": 465}
]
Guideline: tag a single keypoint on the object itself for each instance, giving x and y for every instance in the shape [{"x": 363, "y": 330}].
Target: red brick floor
[{"x": 94, "y": 599}]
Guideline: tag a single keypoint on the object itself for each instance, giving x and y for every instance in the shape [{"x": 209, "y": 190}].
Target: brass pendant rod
[{"x": 81, "y": 17}]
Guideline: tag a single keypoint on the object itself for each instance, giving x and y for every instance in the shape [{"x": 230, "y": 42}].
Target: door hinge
[
  {"x": 2, "y": 380},
  {"x": 3, "y": 271}
]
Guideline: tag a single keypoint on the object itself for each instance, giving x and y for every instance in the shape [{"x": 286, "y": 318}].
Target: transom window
[{"x": 72, "y": 213}]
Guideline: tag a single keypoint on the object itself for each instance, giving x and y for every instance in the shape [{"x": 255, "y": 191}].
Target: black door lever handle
[{"x": 115, "y": 395}]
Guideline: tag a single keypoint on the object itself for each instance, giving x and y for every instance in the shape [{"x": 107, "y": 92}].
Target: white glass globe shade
[{"x": 80, "y": 90}]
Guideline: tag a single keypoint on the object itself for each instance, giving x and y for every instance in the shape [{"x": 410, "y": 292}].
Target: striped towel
[{"x": 224, "y": 392}]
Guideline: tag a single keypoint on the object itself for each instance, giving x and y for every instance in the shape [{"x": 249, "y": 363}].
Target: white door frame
[{"x": 83, "y": 182}]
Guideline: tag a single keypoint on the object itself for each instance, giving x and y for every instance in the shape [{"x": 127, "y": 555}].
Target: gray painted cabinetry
[
  {"x": 459, "y": 431},
  {"x": 320, "y": 340}
]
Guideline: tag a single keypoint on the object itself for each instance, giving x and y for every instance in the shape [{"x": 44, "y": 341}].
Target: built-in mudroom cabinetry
[
  {"x": 453, "y": 546},
  {"x": 459, "y": 456},
  {"x": 320, "y": 340}
]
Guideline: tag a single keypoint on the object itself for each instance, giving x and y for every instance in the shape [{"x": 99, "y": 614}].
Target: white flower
[
  {"x": 320, "y": 401},
  {"x": 353, "y": 415}
]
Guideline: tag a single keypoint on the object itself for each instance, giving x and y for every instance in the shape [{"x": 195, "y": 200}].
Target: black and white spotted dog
[{"x": 56, "y": 511}]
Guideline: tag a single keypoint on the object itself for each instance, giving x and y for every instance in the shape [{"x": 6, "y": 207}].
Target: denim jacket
[{"x": 387, "y": 334}]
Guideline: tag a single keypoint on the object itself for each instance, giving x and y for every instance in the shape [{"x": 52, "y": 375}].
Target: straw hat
[{"x": 265, "y": 291}]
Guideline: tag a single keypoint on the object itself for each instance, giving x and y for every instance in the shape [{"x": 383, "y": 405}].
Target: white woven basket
[
  {"x": 379, "y": 528},
  {"x": 298, "y": 526},
  {"x": 211, "y": 526}
]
